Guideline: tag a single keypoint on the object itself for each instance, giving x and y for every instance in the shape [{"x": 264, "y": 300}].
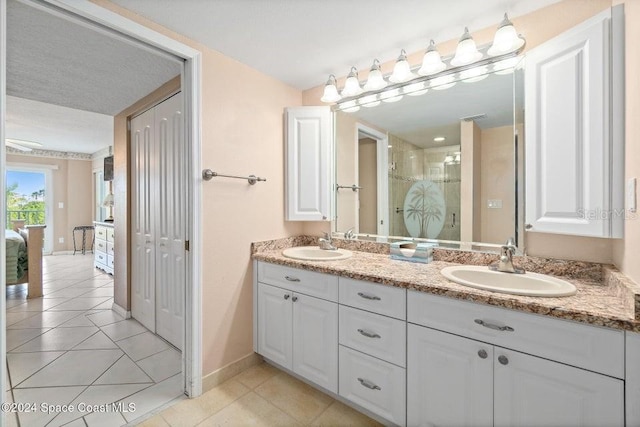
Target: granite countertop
[{"x": 605, "y": 297}]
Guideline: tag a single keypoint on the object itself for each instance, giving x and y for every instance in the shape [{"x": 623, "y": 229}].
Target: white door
[
  {"x": 143, "y": 192},
  {"x": 315, "y": 340},
  {"x": 567, "y": 134},
  {"x": 449, "y": 380},
  {"x": 171, "y": 222},
  {"x": 275, "y": 313},
  {"x": 532, "y": 391}
]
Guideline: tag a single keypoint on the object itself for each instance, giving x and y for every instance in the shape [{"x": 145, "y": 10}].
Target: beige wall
[
  {"x": 470, "y": 178},
  {"x": 368, "y": 180},
  {"x": 72, "y": 186},
  {"x": 347, "y": 171},
  {"x": 242, "y": 133}
]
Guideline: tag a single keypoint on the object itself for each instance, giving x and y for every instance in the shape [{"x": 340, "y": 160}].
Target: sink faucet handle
[{"x": 327, "y": 236}]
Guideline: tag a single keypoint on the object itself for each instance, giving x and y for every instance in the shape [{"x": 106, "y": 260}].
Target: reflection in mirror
[{"x": 441, "y": 165}]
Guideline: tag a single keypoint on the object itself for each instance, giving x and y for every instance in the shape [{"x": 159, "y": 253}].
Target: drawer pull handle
[
  {"x": 483, "y": 354},
  {"x": 503, "y": 360},
  {"x": 292, "y": 279},
  {"x": 494, "y": 327},
  {"x": 368, "y": 334},
  {"x": 368, "y": 384},
  {"x": 369, "y": 297}
]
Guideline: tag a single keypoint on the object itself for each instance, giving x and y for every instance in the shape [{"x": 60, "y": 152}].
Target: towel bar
[{"x": 208, "y": 174}]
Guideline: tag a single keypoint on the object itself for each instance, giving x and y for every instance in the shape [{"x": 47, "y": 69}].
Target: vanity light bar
[{"x": 507, "y": 42}]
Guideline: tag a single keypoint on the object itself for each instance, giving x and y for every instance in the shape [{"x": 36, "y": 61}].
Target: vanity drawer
[
  {"x": 101, "y": 257},
  {"x": 101, "y": 232},
  {"x": 381, "y": 299},
  {"x": 373, "y": 334},
  {"x": 589, "y": 347},
  {"x": 109, "y": 248},
  {"x": 110, "y": 234},
  {"x": 101, "y": 245},
  {"x": 373, "y": 384},
  {"x": 319, "y": 285},
  {"x": 110, "y": 261}
]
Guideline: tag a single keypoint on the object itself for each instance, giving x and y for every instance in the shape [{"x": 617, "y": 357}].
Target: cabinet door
[
  {"x": 274, "y": 324},
  {"x": 449, "y": 380},
  {"x": 568, "y": 143},
  {"x": 309, "y": 142},
  {"x": 315, "y": 340},
  {"x": 532, "y": 391}
]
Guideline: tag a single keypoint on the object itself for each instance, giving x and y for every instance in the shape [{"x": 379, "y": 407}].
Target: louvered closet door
[
  {"x": 170, "y": 220},
  {"x": 143, "y": 193}
]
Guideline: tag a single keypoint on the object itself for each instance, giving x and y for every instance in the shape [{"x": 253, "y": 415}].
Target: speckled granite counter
[{"x": 605, "y": 297}]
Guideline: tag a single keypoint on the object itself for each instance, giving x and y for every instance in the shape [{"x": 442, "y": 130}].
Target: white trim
[
  {"x": 121, "y": 311},
  {"x": 3, "y": 202},
  {"x": 192, "y": 83},
  {"x": 25, "y": 166},
  {"x": 382, "y": 159}
]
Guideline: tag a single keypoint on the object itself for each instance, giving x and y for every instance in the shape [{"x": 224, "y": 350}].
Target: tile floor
[{"x": 69, "y": 347}]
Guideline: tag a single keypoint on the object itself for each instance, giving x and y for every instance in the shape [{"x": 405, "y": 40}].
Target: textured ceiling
[
  {"x": 301, "y": 42},
  {"x": 53, "y": 60}
]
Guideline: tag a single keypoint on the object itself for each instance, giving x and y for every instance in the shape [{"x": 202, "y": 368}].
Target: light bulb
[
  {"x": 474, "y": 74},
  {"x": 351, "y": 85},
  {"x": 506, "y": 39},
  {"x": 331, "y": 91},
  {"x": 375, "y": 81},
  {"x": 402, "y": 70},
  {"x": 392, "y": 95},
  {"x": 432, "y": 62},
  {"x": 444, "y": 82},
  {"x": 369, "y": 101},
  {"x": 415, "y": 89},
  {"x": 466, "y": 52},
  {"x": 349, "y": 106},
  {"x": 507, "y": 66}
]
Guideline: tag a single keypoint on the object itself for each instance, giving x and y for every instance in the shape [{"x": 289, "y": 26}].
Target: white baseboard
[
  {"x": 54, "y": 253},
  {"x": 121, "y": 311},
  {"x": 231, "y": 370}
]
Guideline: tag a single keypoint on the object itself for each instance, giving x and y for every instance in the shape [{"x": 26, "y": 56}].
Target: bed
[{"x": 24, "y": 258}]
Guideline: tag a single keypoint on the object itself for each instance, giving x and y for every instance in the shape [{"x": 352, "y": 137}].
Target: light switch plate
[
  {"x": 494, "y": 203},
  {"x": 60, "y": 205},
  {"x": 61, "y": 240},
  {"x": 632, "y": 198}
]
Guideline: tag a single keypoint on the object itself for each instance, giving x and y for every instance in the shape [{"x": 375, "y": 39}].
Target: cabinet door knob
[
  {"x": 286, "y": 296},
  {"x": 294, "y": 299},
  {"x": 369, "y": 334},
  {"x": 528, "y": 226},
  {"x": 369, "y": 297},
  {"x": 483, "y": 354},
  {"x": 503, "y": 360},
  {"x": 368, "y": 384},
  {"x": 292, "y": 279}
]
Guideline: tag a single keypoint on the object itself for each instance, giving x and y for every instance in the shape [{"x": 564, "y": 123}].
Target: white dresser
[{"x": 103, "y": 248}]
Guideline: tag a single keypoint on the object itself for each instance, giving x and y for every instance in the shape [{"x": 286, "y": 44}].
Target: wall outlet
[
  {"x": 60, "y": 205},
  {"x": 632, "y": 198},
  {"x": 60, "y": 239},
  {"x": 494, "y": 204}
]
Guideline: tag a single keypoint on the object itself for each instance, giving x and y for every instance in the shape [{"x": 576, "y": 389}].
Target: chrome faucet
[
  {"x": 348, "y": 235},
  {"x": 505, "y": 264},
  {"x": 326, "y": 243}
]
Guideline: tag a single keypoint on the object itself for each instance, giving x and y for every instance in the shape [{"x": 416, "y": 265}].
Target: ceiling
[{"x": 302, "y": 42}]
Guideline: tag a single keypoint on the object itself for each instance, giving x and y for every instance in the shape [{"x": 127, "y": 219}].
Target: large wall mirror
[{"x": 445, "y": 164}]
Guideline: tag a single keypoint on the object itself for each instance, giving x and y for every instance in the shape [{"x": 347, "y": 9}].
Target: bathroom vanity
[{"x": 401, "y": 342}]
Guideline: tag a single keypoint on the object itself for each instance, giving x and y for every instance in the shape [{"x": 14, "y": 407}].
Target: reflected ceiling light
[
  {"x": 506, "y": 39},
  {"x": 507, "y": 66},
  {"x": 432, "y": 62},
  {"x": 21, "y": 144},
  {"x": 369, "y": 101},
  {"x": 350, "y": 106},
  {"x": 402, "y": 69},
  {"x": 392, "y": 95},
  {"x": 352, "y": 84},
  {"x": 474, "y": 74},
  {"x": 415, "y": 89},
  {"x": 444, "y": 82},
  {"x": 375, "y": 81},
  {"x": 330, "y": 93},
  {"x": 466, "y": 52},
  {"x": 439, "y": 138}
]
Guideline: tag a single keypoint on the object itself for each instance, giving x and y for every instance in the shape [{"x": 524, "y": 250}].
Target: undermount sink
[
  {"x": 528, "y": 284},
  {"x": 314, "y": 253}
]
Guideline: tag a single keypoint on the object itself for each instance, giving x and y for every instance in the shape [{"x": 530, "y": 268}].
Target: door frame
[
  {"x": 382, "y": 158},
  {"x": 191, "y": 82}
]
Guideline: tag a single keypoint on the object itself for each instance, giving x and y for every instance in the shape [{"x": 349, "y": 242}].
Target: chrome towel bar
[
  {"x": 353, "y": 187},
  {"x": 208, "y": 174}
]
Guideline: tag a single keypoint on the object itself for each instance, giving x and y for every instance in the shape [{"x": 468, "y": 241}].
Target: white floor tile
[
  {"x": 50, "y": 396},
  {"x": 143, "y": 345},
  {"x": 65, "y": 293},
  {"x": 46, "y": 319},
  {"x": 17, "y": 316},
  {"x": 124, "y": 371},
  {"x": 95, "y": 282},
  {"x": 80, "y": 367},
  {"x": 110, "y": 419},
  {"x": 155, "y": 396},
  {"x": 98, "y": 395},
  {"x": 23, "y": 365},
  {"x": 79, "y": 303},
  {"x": 37, "y": 304},
  {"x": 97, "y": 341},
  {"x": 58, "y": 339},
  {"x": 17, "y": 337},
  {"x": 98, "y": 292},
  {"x": 75, "y": 423},
  {"x": 107, "y": 305},
  {"x": 125, "y": 329},
  {"x": 80, "y": 320},
  {"x": 162, "y": 365},
  {"x": 105, "y": 318}
]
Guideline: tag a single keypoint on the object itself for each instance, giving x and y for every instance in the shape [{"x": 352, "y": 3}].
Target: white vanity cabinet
[
  {"x": 574, "y": 130},
  {"x": 309, "y": 163},
  {"x": 469, "y": 380},
  {"x": 295, "y": 330}
]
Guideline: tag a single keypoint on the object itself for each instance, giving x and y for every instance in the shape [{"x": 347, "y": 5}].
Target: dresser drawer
[
  {"x": 373, "y": 334},
  {"x": 373, "y": 384},
  {"x": 589, "y": 347},
  {"x": 319, "y": 285},
  {"x": 101, "y": 232},
  {"x": 109, "y": 248},
  {"x": 381, "y": 299},
  {"x": 101, "y": 245},
  {"x": 110, "y": 261},
  {"x": 110, "y": 234},
  {"x": 100, "y": 257}
]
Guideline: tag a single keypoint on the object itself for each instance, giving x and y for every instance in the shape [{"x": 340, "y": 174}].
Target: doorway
[
  {"x": 104, "y": 21},
  {"x": 372, "y": 158}
]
